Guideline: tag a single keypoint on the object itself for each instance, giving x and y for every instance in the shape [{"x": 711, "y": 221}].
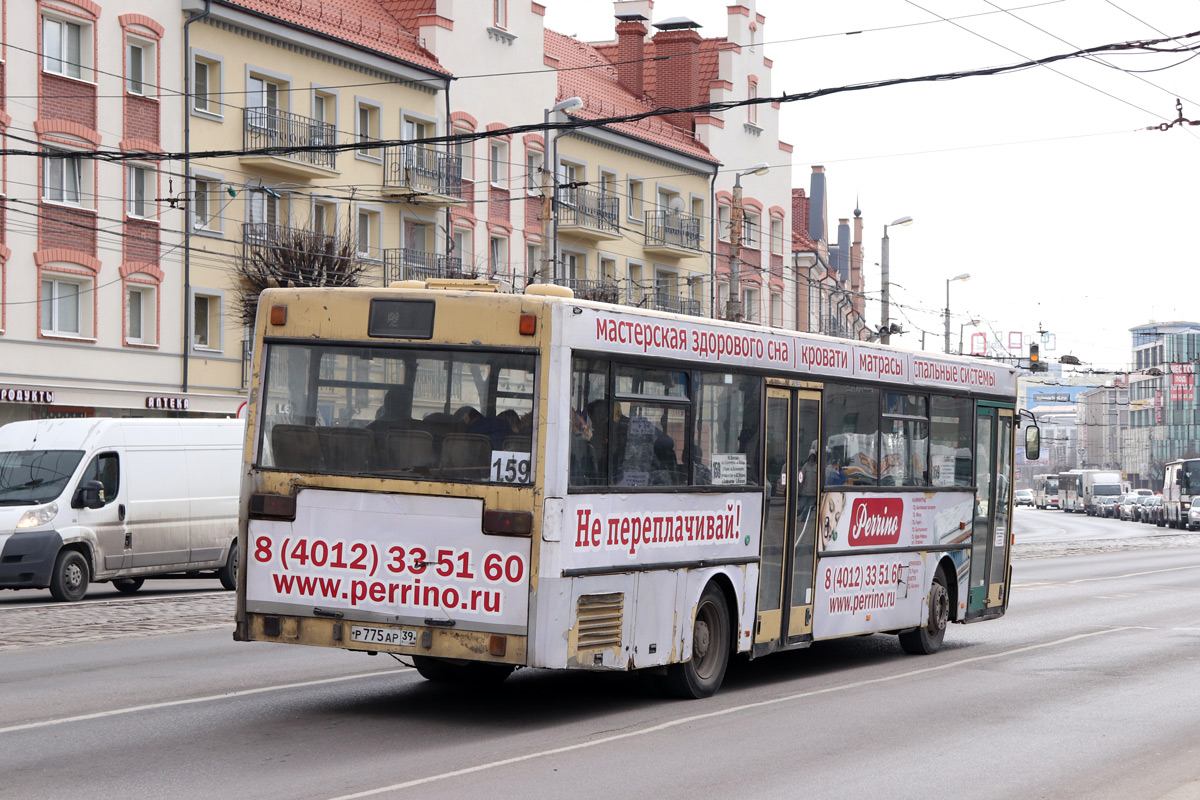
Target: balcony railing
[
  {"x": 632, "y": 293},
  {"x": 665, "y": 301},
  {"x": 269, "y": 127},
  {"x": 410, "y": 264},
  {"x": 281, "y": 243},
  {"x": 602, "y": 291},
  {"x": 583, "y": 208},
  {"x": 421, "y": 169},
  {"x": 673, "y": 229}
]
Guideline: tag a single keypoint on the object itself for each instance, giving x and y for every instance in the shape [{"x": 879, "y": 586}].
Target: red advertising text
[{"x": 875, "y": 521}]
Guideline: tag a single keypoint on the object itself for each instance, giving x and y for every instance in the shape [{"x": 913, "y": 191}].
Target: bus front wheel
[
  {"x": 928, "y": 638},
  {"x": 711, "y": 643}
]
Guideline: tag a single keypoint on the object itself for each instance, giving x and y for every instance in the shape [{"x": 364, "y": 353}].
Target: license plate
[{"x": 394, "y": 636}]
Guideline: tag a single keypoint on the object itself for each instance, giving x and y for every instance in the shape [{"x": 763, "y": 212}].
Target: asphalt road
[{"x": 1086, "y": 689}]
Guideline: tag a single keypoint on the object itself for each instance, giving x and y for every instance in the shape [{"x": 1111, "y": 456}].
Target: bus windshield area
[
  {"x": 398, "y": 412},
  {"x": 32, "y": 477}
]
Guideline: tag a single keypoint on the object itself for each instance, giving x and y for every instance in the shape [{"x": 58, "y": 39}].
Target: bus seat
[
  {"x": 405, "y": 450},
  {"x": 465, "y": 456},
  {"x": 517, "y": 444},
  {"x": 296, "y": 448},
  {"x": 349, "y": 450},
  {"x": 439, "y": 424}
]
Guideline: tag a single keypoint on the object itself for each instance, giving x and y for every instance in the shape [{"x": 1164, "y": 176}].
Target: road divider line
[
  {"x": 719, "y": 713},
  {"x": 1048, "y": 585},
  {"x": 192, "y": 701}
]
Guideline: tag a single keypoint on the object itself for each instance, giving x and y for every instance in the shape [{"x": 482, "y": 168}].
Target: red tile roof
[
  {"x": 365, "y": 23},
  {"x": 603, "y": 96}
]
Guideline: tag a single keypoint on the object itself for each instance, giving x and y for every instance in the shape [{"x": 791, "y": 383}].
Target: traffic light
[{"x": 1035, "y": 361}]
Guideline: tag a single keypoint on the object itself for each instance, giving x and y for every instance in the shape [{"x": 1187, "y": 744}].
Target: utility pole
[{"x": 733, "y": 307}]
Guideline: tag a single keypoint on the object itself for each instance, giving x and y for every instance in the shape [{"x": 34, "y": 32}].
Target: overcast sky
[{"x": 1041, "y": 184}]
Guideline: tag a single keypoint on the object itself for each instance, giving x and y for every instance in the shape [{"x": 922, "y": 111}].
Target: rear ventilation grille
[{"x": 599, "y": 618}]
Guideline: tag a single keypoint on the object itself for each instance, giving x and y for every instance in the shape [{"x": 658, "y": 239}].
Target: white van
[{"x": 118, "y": 500}]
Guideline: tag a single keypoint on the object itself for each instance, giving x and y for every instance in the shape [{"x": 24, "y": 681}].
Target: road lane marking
[
  {"x": 720, "y": 713},
  {"x": 171, "y": 703},
  {"x": 1025, "y": 587}
]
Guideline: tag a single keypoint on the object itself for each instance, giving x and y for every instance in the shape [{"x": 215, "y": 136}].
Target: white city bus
[
  {"x": 1181, "y": 484},
  {"x": 1045, "y": 490},
  {"x": 482, "y": 481}
]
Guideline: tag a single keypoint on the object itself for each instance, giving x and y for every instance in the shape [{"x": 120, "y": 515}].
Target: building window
[
  {"x": 498, "y": 164},
  {"x": 139, "y": 192},
  {"x": 61, "y": 307},
  {"x": 465, "y": 150},
  {"x": 722, "y": 298},
  {"x": 367, "y": 234},
  {"x": 62, "y": 47},
  {"x": 776, "y": 309},
  {"x": 500, "y": 16},
  {"x": 533, "y": 171},
  {"x": 698, "y": 213},
  {"x": 136, "y": 56},
  {"x": 206, "y": 321},
  {"x": 776, "y": 235},
  {"x": 262, "y": 93},
  {"x": 63, "y": 180},
  {"x": 367, "y": 129},
  {"x": 750, "y": 230},
  {"x": 206, "y": 86},
  {"x": 724, "y": 225},
  {"x": 206, "y": 204},
  {"x": 637, "y": 209},
  {"x": 139, "y": 314},
  {"x": 463, "y": 247},
  {"x": 264, "y": 208},
  {"x": 752, "y": 107},
  {"x": 750, "y": 310},
  {"x": 497, "y": 256}
]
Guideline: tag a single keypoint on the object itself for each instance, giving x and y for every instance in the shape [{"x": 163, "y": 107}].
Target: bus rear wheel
[
  {"x": 711, "y": 643},
  {"x": 928, "y": 638},
  {"x": 466, "y": 673}
]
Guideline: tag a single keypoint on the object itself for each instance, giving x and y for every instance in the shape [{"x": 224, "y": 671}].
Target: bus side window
[{"x": 590, "y": 428}]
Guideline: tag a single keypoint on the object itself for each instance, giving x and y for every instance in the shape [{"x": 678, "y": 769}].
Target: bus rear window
[{"x": 409, "y": 413}]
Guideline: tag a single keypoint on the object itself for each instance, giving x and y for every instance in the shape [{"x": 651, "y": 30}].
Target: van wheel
[
  {"x": 711, "y": 640},
  {"x": 928, "y": 638},
  {"x": 471, "y": 673},
  {"x": 128, "y": 585},
  {"x": 69, "y": 581},
  {"x": 228, "y": 573}
]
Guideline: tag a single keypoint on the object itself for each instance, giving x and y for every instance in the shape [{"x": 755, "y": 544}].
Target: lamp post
[
  {"x": 733, "y": 306},
  {"x": 972, "y": 323},
  {"x": 885, "y": 278},
  {"x": 550, "y": 243},
  {"x": 963, "y": 277}
]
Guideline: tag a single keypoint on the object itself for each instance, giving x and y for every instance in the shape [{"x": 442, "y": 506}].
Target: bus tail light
[
  {"x": 528, "y": 325},
  {"x": 498, "y": 645},
  {"x": 278, "y": 315},
  {"x": 511, "y": 523},
  {"x": 272, "y": 506}
]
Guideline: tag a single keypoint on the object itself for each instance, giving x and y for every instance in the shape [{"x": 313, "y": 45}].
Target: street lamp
[
  {"x": 733, "y": 306},
  {"x": 885, "y": 276},
  {"x": 972, "y": 323},
  {"x": 965, "y": 276},
  {"x": 550, "y": 243}
]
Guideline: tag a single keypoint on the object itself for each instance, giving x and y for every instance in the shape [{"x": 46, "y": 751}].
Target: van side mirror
[
  {"x": 90, "y": 494},
  {"x": 1033, "y": 443}
]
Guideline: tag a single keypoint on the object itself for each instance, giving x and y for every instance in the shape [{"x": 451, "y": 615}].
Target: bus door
[
  {"x": 785, "y": 595},
  {"x": 993, "y": 508}
]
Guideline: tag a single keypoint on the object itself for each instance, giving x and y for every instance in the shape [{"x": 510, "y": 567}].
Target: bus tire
[
  {"x": 712, "y": 638},
  {"x": 128, "y": 585},
  {"x": 69, "y": 581},
  {"x": 228, "y": 573},
  {"x": 471, "y": 673},
  {"x": 927, "y": 639}
]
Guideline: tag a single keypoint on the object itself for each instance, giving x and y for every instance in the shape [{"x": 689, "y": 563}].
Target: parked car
[
  {"x": 1108, "y": 505},
  {"x": 1151, "y": 510},
  {"x": 1023, "y": 497},
  {"x": 1128, "y": 503}
]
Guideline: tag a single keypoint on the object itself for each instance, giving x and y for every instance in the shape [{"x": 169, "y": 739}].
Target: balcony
[
  {"x": 267, "y": 127},
  {"x": 671, "y": 233},
  {"x": 675, "y": 303},
  {"x": 602, "y": 291},
  {"x": 586, "y": 214},
  {"x": 297, "y": 253},
  {"x": 632, "y": 293},
  {"x": 427, "y": 176},
  {"x": 410, "y": 264}
]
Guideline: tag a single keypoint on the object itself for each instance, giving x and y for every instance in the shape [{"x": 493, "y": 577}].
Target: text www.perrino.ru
[
  {"x": 853, "y": 603},
  {"x": 413, "y": 595}
]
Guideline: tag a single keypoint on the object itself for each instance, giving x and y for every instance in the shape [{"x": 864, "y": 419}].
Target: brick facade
[{"x": 66, "y": 229}]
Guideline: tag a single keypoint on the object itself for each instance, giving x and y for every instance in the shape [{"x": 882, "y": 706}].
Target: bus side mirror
[
  {"x": 1033, "y": 443},
  {"x": 1178, "y": 479},
  {"x": 90, "y": 494}
]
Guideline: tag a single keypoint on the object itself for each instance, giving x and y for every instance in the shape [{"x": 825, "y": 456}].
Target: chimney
[
  {"x": 799, "y": 212},
  {"x": 631, "y": 50},
  {"x": 856, "y": 263},
  {"x": 816, "y": 205},
  {"x": 843, "y": 245},
  {"x": 678, "y": 81}
]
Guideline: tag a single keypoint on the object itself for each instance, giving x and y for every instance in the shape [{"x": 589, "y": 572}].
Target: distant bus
[
  {"x": 1070, "y": 490},
  {"x": 1181, "y": 482},
  {"x": 1045, "y": 490}
]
